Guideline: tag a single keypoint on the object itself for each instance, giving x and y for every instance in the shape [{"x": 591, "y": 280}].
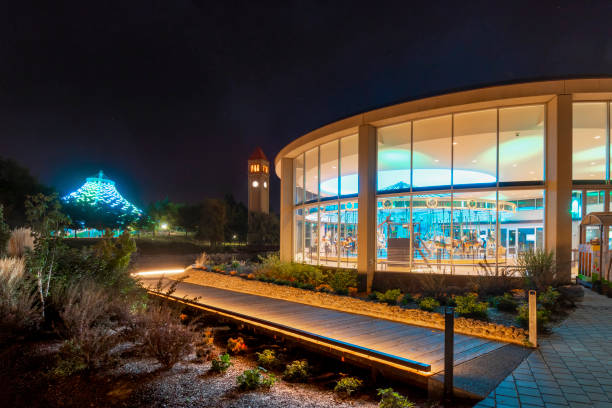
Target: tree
[
  {"x": 99, "y": 216},
  {"x": 16, "y": 183},
  {"x": 237, "y": 220},
  {"x": 189, "y": 216},
  {"x": 264, "y": 228},
  {"x": 164, "y": 212},
  {"x": 212, "y": 221},
  {"x": 5, "y": 231},
  {"x": 47, "y": 223}
]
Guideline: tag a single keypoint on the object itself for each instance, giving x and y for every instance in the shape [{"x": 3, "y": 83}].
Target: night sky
[{"x": 170, "y": 97}]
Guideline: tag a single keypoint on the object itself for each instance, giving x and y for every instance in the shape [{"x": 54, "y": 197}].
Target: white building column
[
  {"x": 286, "y": 210},
  {"x": 366, "y": 230},
  {"x": 558, "y": 198}
]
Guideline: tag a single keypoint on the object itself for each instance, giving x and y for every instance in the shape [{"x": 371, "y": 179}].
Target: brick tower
[{"x": 259, "y": 182}]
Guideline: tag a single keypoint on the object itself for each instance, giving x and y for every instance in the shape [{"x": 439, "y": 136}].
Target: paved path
[
  {"x": 415, "y": 343},
  {"x": 571, "y": 368}
]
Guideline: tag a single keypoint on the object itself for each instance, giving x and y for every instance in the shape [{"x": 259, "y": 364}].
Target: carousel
[{"x": 443, "y": 231}]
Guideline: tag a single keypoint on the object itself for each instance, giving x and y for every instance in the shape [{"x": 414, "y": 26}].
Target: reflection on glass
[
  {"x": 524, "y": 224},
  {"x": 298, "y": 172},
  {"x": 328, "y": 234},
  {"x": 594, "y": 201},
  {"x": 431, "y": 157},
  {"x": 431, "y": 223},
  {"x": 393, "y": 233},
  {"x": 475, "y": 148},
  {"x": 576, "y": 212},
  {"x": 589, "y": 141},
  {"x": 521, "y": 143},
  {"x": 349, "y": 182},
  {"x": 394, "y": 157},
  {"x": 329, "y": 170},
  {"x": 475, "y": 229},
  {"x": 311, "y": 239},
  {"x": 348, "y": 234},
  {"x": 312, "y": 175}
]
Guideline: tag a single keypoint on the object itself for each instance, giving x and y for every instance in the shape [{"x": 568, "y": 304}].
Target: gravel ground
[
  {"x": 354, "y": 305},
  {"x": 191, "y": 384}
]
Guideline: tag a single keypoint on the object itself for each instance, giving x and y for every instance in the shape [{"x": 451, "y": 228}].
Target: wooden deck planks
[{"x": 413, "y": 342}]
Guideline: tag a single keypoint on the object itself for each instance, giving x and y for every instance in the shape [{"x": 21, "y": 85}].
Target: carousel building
[{"x": 447, "y": 183}]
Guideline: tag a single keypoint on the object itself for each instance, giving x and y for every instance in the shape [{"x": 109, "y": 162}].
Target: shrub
[
  {"x": 221, "y": 364},
  {"x": 236, "y": 345},
  {"x": 505, "y": 303},
  {"x": 254, "y": 379},
  {"x": 267, "y": 359},
  {"x": 204, "y": 348},
  {"x": 69, "y": 361},
  {"x": 538, "y": 269},
  {"x": 341, "y": 279},
  {"x": 19, "y": 304},
  {"x": 548, "y": 299},
  {"x": 469, "y": 306},
  {"x": 165, "y": 338},
  {"x": 543, "y": 317},
  {"x": 202, "y": 260},
  {"x": 429, "y": 304},
  {"x": 20, "y": 241},
  {"x": 390, "y": 297},
  {"x": 433, "y": 284},
  {"x": 87, "y": 324},
  {"x": 491, "y": 280},
  {"x": 352, "y": 291},
  {"x": 347, "y": 386},
  {"x": 5, "y": 231},
  {"x": 392, "y": 399},
  {"x": 324, "y": 288},
  {"x": 406, "y": 299},
  {"x": 296, "y": 371}
]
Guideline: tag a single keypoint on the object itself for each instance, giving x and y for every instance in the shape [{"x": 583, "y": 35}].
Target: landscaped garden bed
[{"x": 493, "y": 309}]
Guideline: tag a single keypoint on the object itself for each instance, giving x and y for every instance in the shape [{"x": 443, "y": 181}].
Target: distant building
[{"x": 259, "y": 182}]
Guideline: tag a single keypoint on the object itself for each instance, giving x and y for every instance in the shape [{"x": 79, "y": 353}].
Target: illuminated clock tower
[{"x": 259, "y": 182}]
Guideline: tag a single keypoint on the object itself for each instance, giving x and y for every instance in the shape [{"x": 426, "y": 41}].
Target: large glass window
[
  {"x": 521, "y": 222},
  {"x": 348, "y": 234},
  {"x": 431, "y": 223},
  {"x": 298, "y": 236},
  {"x": 328, "y": 233},
  {"x": 521, "y": 143},
  {"x": 474, "y": 237},
  {"x": 349, "y": 182},
  {"x": 312, "y": 175},
  {"x": 393, "y": 231},
  {"x": 311, "y": 235},
  {"x": 589, "y": 141},
  {"x": 475, "y": 148},
  {"x": 394, "y": 157},
  {"x": 431, "y": 155},
  {"x": 298, "y": 171},
  {"x": 329, "y": 170}
]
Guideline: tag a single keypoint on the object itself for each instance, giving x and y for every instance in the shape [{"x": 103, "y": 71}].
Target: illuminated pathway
[
  {"x": 475, "y": 357},
  {"x": 571, "y": 368}
]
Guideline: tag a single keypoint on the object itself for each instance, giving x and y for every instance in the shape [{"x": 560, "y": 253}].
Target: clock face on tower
[{"x": 259, "y": 178}]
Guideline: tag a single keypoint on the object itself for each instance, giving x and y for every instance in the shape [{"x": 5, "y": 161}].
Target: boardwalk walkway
[
  {"x": 571, "y": 368},
  {"x": 420, "y": 344}
]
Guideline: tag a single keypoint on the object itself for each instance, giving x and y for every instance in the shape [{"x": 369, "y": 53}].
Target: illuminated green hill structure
[{"x": 98, "y": 204}]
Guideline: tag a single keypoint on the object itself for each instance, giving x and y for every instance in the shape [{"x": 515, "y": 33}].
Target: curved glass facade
[{"x": 453, "y": 191}]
